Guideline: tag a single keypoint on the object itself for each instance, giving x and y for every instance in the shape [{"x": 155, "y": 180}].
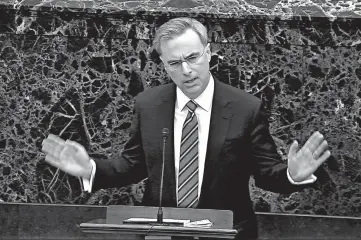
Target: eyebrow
[{"x": 187, "y": 56}]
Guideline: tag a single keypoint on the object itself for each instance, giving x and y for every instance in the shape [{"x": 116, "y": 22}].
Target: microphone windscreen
[{"x": 165, "y": 132}]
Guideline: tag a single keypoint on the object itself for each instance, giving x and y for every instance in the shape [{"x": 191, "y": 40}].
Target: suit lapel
[
  {"x": 164, "y": 118},
  {"x": 220, "y": 120}
]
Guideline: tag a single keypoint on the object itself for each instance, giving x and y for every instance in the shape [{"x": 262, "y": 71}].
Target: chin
[
  {"x": 193, "y": 92},
  {"x": 193, "y": 95}
]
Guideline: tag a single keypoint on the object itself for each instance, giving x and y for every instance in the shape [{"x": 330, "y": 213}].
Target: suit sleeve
[
  {"x": 269, "y": 170},
  {"x": 127, "y": 168}
]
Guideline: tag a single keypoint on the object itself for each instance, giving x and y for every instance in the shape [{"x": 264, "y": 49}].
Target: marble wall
[{"x": 73, "y": 69}]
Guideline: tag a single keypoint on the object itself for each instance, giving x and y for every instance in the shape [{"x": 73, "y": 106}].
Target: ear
[{"x": 209, "y": 53}]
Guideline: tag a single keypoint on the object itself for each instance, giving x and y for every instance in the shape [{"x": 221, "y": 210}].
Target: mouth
[{"x": 190, "y": 81}]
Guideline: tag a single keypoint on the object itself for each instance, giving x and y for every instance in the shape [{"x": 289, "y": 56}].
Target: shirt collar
[{"x": 204, "y": 100}]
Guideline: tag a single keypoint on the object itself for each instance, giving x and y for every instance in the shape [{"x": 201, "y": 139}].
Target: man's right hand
[{"x": 68, "y": 156}]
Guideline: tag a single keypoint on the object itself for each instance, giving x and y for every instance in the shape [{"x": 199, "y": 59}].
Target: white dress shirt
[{"x": 203, "y": 113}]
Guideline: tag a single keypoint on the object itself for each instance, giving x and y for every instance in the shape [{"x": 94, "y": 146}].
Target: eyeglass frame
[{"x": 185, "y": 60}]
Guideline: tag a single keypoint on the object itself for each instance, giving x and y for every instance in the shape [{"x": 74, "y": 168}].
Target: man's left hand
[{"x": 302, "y": 163}]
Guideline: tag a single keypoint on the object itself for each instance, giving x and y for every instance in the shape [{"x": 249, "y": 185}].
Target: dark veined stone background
[{"x": 73, "y": 68}]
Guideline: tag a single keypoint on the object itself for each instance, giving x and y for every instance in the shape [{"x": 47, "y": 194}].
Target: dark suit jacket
[{"x": 239, "y": 146}]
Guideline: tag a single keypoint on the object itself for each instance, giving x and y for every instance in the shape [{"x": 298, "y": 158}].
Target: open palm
[
  {"x": 68, "y": 156},
  {"x": 302, "y": 163}
]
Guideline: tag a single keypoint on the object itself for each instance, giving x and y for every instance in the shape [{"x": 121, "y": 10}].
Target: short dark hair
[{"x": 176, "y": 27}]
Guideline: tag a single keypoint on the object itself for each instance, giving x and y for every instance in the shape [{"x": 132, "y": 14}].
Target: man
[{"x": 218, "y": 138}]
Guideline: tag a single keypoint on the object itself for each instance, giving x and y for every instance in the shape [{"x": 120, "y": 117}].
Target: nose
[{"x": 186, "y": 70}]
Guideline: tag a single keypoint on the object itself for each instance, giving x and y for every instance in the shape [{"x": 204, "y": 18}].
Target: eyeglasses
[{"x": 192, "y": 59}]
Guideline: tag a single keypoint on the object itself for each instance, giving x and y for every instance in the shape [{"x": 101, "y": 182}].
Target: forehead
[{"x": 182, "y": 45}]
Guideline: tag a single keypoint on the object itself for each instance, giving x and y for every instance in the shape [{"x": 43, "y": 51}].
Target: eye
[
  {"x": 174, "y": 63},
  {"x": 192, "y": 57}
]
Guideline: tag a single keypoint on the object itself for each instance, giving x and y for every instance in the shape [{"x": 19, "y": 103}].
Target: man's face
[{"x": 191, "y": 77}]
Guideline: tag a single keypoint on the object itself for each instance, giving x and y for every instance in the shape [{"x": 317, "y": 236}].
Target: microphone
[{"x": 165, "y": 133}]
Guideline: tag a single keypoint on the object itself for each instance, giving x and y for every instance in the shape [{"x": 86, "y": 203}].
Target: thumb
[{"x": 293, "y": 149}]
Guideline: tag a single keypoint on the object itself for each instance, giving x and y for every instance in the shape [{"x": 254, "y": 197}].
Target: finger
[
  {"x": 56, "y": 139},
  {"x": 306, "y": 151},
  {"x": 48, "y": 145},
  {"x": 320, "y": 149},
  {"x": 76, "y": 146},
  {"x": 50, "y": 142},
  {"x": 293, "y": 149},
  {"x": 45, "y": 145},
  {"x": 52, "y": 147},
  {"x": 323, "y": 158},
  {"x": 54, "y": 161},
  {"x": 314, "y": 141}
]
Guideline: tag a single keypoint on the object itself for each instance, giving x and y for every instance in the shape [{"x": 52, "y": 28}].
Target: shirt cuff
[
  {"x": 88, "y": 183},
  {"x": 311, "y": 179}
]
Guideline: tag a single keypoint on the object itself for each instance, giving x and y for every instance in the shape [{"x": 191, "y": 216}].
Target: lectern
[{"x": 115, "y": 227}]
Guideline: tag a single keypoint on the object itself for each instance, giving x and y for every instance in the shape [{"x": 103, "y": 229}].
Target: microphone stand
[{"x": 165, "y": 132}]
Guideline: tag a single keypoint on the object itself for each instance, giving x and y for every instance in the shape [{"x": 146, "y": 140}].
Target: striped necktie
[{"x": 188, "y": 161}]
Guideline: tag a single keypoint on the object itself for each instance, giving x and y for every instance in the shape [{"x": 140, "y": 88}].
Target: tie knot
[{"x": 191, "y": 105}]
